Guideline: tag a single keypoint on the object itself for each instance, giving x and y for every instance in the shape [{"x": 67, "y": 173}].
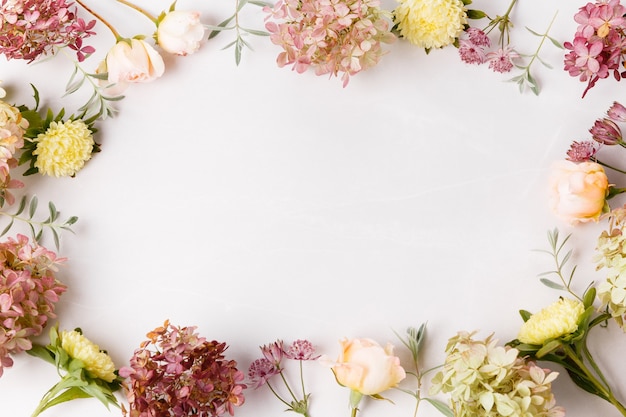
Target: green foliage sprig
[{"x": 232, "y": 23}]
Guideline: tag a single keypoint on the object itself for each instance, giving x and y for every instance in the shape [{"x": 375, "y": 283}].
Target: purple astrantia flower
[
  {"x": 301, "y": 350},
  {"x": 471, "y": 53},
  {"x": 502, "y": 59},
  {"x": 273, "y": 352},
  {"x": 260, "y": 371}
]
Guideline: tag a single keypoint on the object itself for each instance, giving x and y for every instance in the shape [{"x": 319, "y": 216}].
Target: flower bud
[
  {"x": 617, "y": 112},
  {"x": 607, "y": 132},
  {"x": 180, "y": 32},
  {"x": 133, "y": 61}
]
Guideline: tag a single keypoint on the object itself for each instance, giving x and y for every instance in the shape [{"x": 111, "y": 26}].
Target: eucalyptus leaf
[{"x": 440, "y": 406}]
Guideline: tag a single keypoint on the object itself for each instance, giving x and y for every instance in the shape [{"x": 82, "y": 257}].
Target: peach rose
[
  {"x": 579, "y": 191},
  {"x": 366, "y": 367},
  {"x": 133, "y": 61}
]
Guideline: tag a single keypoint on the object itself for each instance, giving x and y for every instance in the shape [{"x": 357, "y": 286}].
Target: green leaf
[
  {"x": 53, "y": 211},
  {"x": 533, "y": 32},
  {"x": 476, "y": 14},
  {"x": 255, "y": 32},
  {"x": 440, "y": 406},
  {"x": 221, "y": 25},
  {"x": 551, "y": 284},
  {"x": 7, "y": 228},
  {"x": 32, "y": 207},
  {"x": 21, "y": 206},
  {"x": 68, "y": 395},
  {"x": 525, "y": 315},
  {"x": 548, "y": 347}
]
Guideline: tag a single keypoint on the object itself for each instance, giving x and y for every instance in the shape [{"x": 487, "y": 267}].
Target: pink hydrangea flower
[
  {"x": 29, "y": 291},
  {"x": 596, "y": 49},
  {"x": 332, "y": 36},
  {"x": 177, "y": 373},
  {"x": 30, "y": 28}
]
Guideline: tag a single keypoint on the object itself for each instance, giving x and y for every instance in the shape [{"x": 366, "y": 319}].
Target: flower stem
[
  {"x": 100, "y": 18},
  {"x": 139, "y": 9},
  {"x": 597, "y": 161},
  {"x": 604, "y": 390}
]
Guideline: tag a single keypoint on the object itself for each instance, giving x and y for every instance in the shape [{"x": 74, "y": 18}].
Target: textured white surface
[{"x": 257, "y": 204}]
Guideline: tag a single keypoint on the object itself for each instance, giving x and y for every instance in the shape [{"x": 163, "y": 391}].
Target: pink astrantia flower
[
  {"x": 29, "y": 291},
  {"x": 502, "y": 59},
  {"x": 471, "y": 53},
  {"x": 30, "y": 28},
  {"x": 478, "y": 37},
  {"x": 273, "y": 352},
  {"x": 332, "y": 36},
  {"x": 301, "y": 350},
  {"x": 582, "y": 151},
  {"x": 617, "y": 112},
  {"x": 177, "y": 373},
  {"x": 260, "y": 371},
  {"x": 606, "y": 132}
]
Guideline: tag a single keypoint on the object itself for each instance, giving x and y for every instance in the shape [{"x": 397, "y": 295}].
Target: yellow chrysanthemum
[
  {"x": 430, "y": 23},
  {"x": 97, "y": 363},
  {"x": 64, "y": 148},
  {"x": 558, "y": 319}
]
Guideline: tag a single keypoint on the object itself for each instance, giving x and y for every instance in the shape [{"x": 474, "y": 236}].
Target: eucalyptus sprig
[
  {"x": 413, "y": 342},
  {"x": 525, "y": 79},
  {"x": 37, "y": 227},
  {"x": 233, "y": 23},
  {"x": 560, "y": 260},
  {"x": 78, "y": 380}
]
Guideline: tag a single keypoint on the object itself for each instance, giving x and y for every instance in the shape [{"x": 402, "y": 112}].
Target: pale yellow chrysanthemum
[
  {"x": 558, "y": 319},
  {"x": 64, "y": 148},
  {"x": 430, "y": 23},
  {"x": 97, "y": 363}
]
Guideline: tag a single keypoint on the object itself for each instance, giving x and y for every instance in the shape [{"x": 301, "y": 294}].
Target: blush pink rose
[
  {"x": 133, "y": 61},
  {"x": 366, "y": 367},
  {"x": 180, "y": 32},
  {"x": 578, "y": 191}
]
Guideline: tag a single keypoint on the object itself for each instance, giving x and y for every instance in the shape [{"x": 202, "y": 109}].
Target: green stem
[
  {"x": 139, "y": 9},
  {"x": 597, "y": 161},
  {"x": 605, "y": 390},
  {"x": 49, "y": 396},
  {"x": 543, "y": 39},
  {"x": 276, "y": 395},
  {"x": 103, "y": 20}
]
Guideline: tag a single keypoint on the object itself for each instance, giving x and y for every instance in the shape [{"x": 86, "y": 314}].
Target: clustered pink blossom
[
  {"x": 28, "y": 293},
  {"x": 12, "y": 129},
  {"x": 596, "y": 50},
  {"x": 177, "y": 373},
  {"x": 582, "y": 151},
  {"x": 332, "y": 36},
  {"x": 30, "y": 28},
  {"x": 473, "y": 50},
  {"x": 261, "y": 370}
]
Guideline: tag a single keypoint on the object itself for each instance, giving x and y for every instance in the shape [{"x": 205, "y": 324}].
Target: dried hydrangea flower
[
  {"x": 177, "y": 373},
  {"x": 332, "y": 36},
  {"x": 485, "y": 379},
  {"x": 29, "y": 291},
  {"x": 30, "y": 28}
]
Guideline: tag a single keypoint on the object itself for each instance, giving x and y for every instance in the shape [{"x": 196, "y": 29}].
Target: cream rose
[
  {"x": 578, "y": 190},
  {"x": 180, "y": 32},
  {"x": 133, "y": 61},
  {"x": 366, "y": 367}
]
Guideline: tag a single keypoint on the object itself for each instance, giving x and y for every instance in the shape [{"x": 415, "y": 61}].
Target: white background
[{"x": 257, "y": 203}]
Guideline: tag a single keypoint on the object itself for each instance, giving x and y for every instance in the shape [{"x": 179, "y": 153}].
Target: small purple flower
[
  {"x": 617, "y": 112},
  {"x": 607, "y": 132},
  {"x": 502, "y": 59},
  {"x": 301, "y": 350},
  {"x": 260, "y": 371},
  {"x": 471, "y": 53},
  {"x": 582, "y": 151},
  {"x": 478, "y": 37}
]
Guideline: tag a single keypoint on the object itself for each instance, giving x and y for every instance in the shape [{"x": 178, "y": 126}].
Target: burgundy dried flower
[
  {"x": 607, "y": 132},
  {"x": 177, "y": 373},
  {"x": 28, "y": 293},
  {"x": 582, "y": 151},
  {"x": 30, "y": 28}
]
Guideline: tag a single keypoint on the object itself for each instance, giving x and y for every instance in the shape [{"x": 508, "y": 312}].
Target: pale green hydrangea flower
[{"x": 485, "y": 379}]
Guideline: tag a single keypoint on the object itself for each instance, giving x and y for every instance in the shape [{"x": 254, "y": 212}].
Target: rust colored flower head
[{"x": 177, "y": 373}]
